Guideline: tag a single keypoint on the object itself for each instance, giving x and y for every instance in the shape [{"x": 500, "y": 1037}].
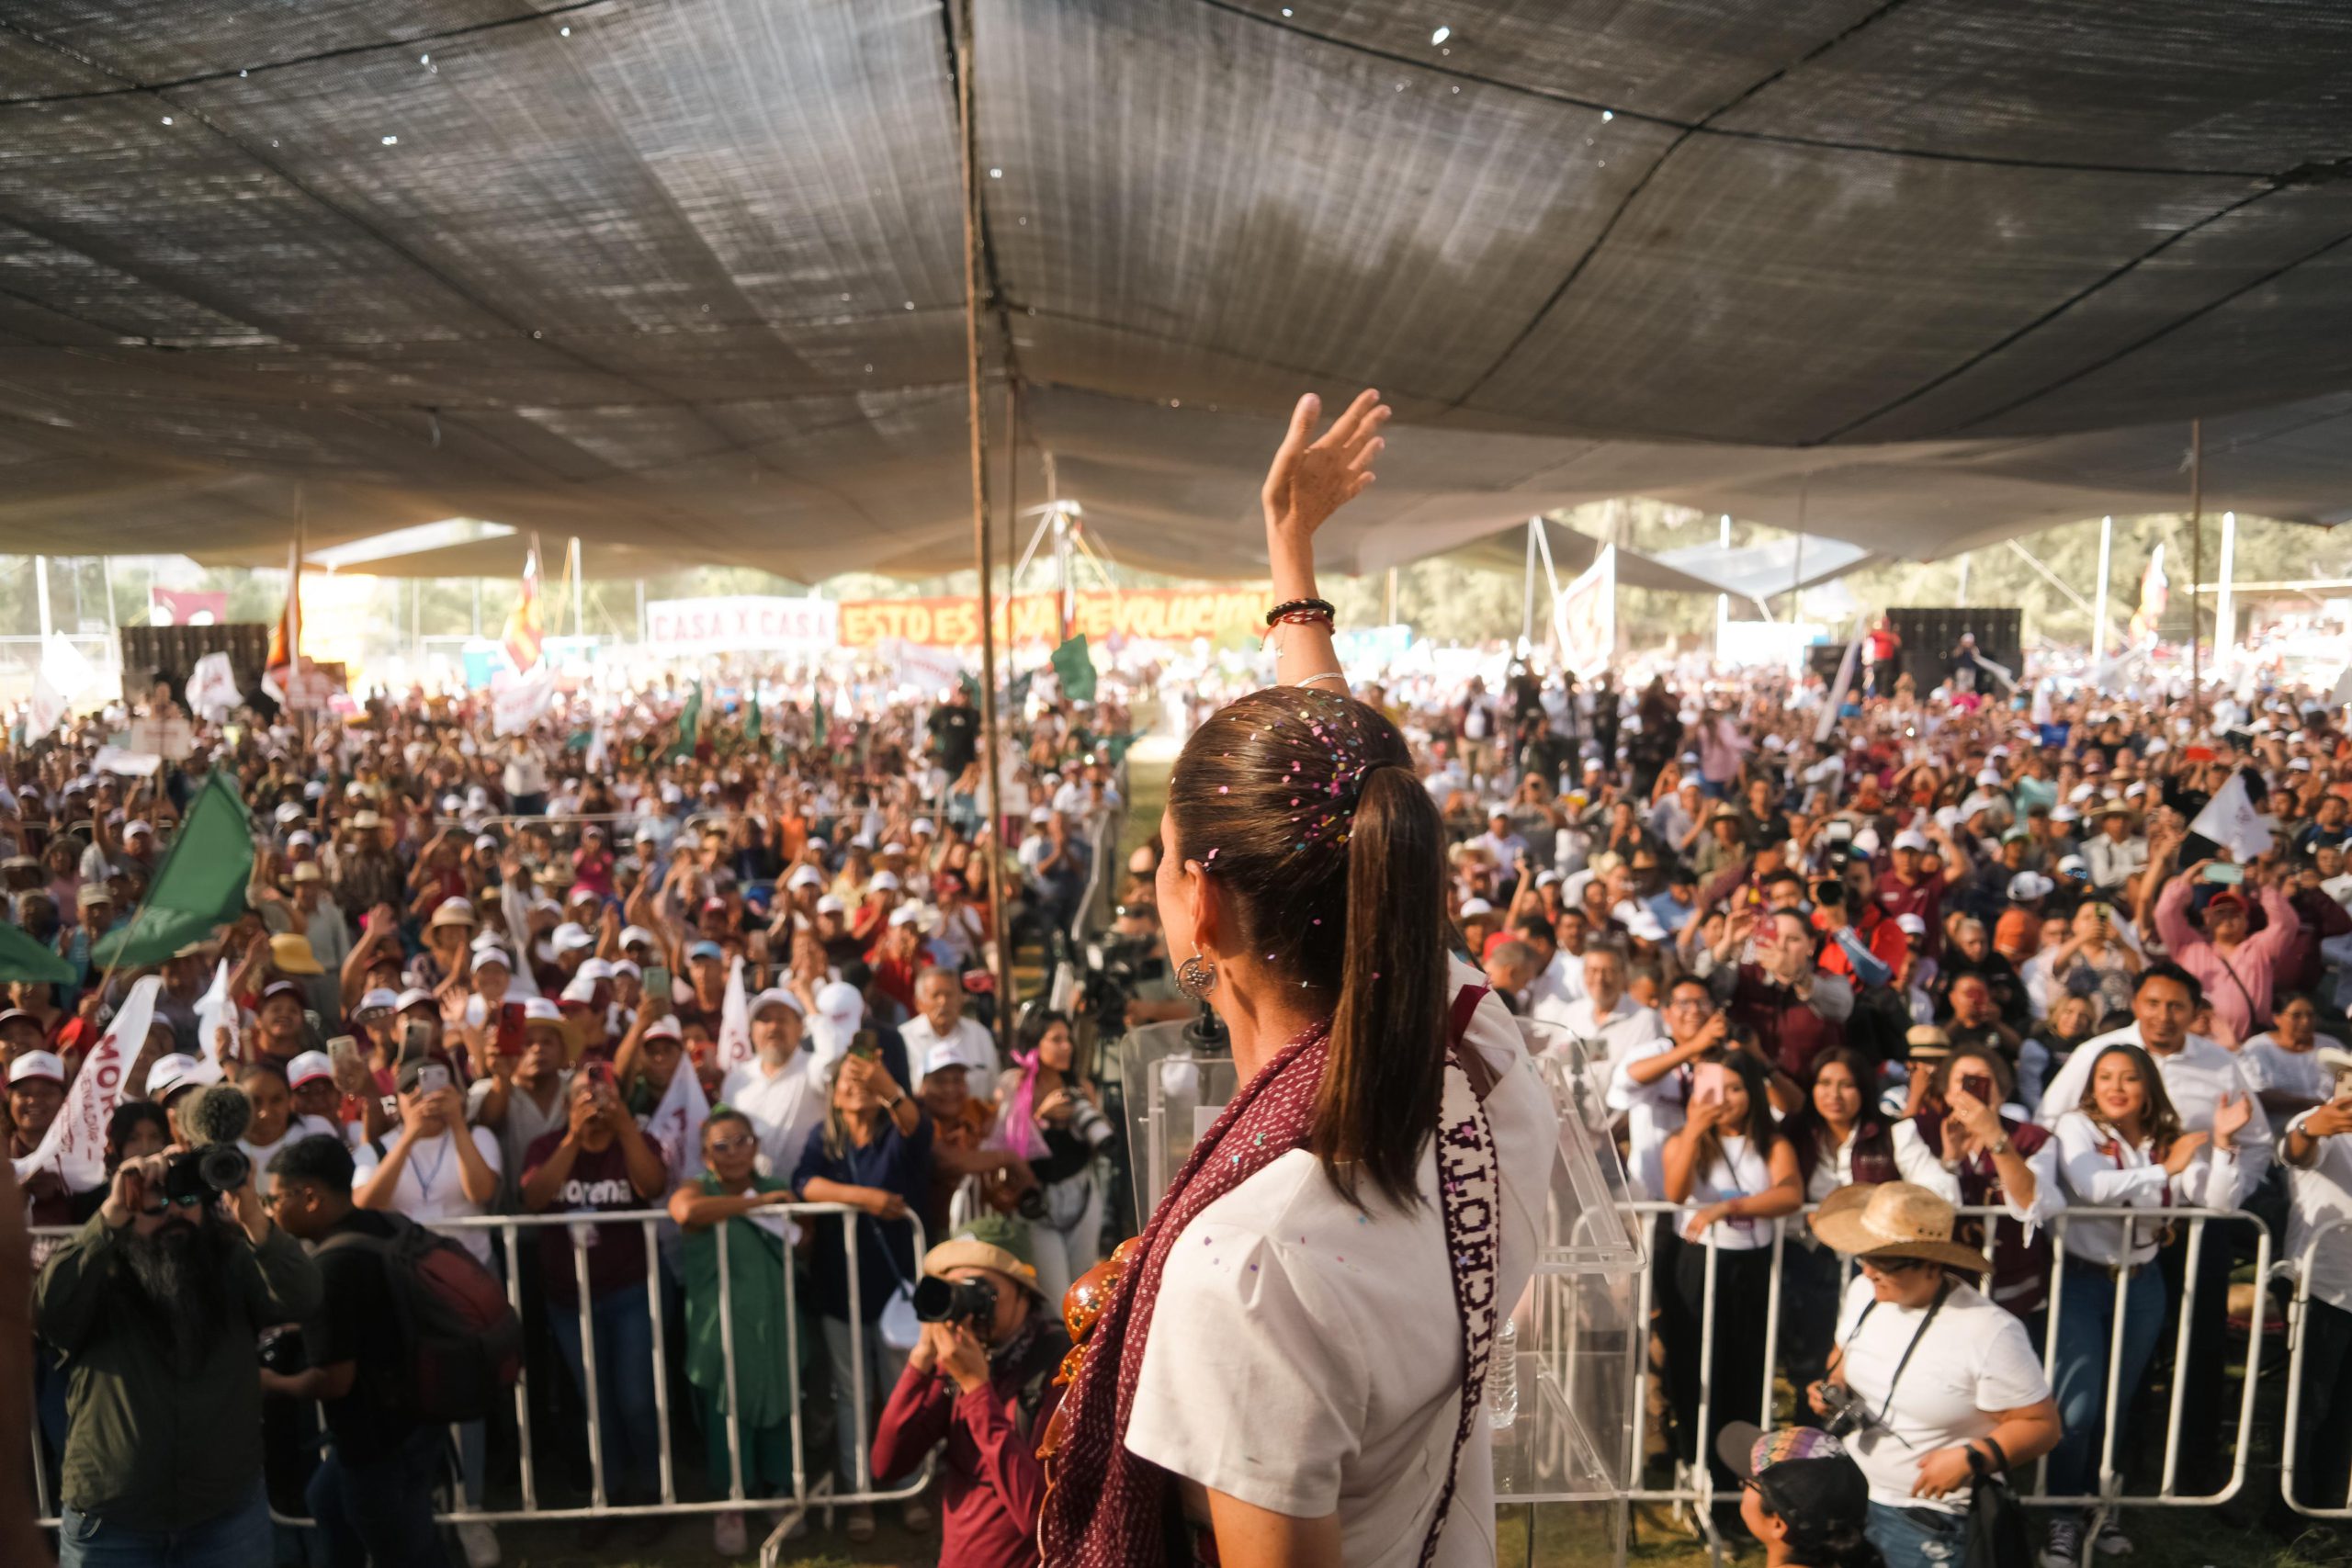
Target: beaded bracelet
[{"x": 1302, "y": 610}]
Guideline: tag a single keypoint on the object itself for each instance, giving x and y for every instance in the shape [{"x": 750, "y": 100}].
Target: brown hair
[
  {"x": 1305, "y": 807},
  {"x": 2158, "y": 1120}
]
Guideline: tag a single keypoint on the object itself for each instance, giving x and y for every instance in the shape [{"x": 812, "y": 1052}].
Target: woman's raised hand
[{"x": 1312, "y": 476}]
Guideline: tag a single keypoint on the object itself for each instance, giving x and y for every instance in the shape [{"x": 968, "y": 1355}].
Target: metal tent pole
[
  {"x": 2225, "y": 603},
  {"x": 1527, "y": 595},
  {"x": 2196, "y": 566},
  {"x": 967, "y": 145},
  {"x": 2098, "y": 609}
]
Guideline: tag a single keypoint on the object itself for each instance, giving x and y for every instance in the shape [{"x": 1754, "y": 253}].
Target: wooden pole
[
  {"x": 2196, "y": 567},
  {"x": 977, "y": 414}
]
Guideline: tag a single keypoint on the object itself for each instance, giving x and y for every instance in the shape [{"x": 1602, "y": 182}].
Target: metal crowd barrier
[
  {"x": 1694, "y": 1487},
  {"x": 2299, "y": 1345},
  {"x": 805, "y": 1495}
]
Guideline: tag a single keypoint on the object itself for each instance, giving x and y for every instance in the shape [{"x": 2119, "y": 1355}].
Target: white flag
[
  {"x": 675, "y": 1125},
  {"x": 2231, "y": 821},
  {"x": 734, "y": 1046},
  {"x": 64, "y": 675},
  {"x": 212, "y": 692},
  {"x": 75, "y": 1145},
  {"x": 518, "y": 704},
  {"x": 215, "y": 1012},
  {"x": 1845, "y": 683},
  {"x": 2043, "y": 711}
]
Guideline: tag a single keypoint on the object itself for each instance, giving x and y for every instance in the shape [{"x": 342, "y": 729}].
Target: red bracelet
[{"x": 1296, "y": 610}]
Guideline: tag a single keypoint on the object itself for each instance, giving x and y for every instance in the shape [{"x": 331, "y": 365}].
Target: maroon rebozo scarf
[{"x": 1106, "y": 1508}]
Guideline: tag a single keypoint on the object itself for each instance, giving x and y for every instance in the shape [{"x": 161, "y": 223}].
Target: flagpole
[
  {"x": 970, "y": 148},
  {"x": 2099, "y": 611}
]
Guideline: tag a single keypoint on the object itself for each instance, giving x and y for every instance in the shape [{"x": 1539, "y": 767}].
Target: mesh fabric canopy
[{"x": 684, "y": 277}]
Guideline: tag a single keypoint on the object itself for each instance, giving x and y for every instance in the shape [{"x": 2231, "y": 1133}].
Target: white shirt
[
  {"x": 2195, "y": 1077},
  {"x": 2101, "y": 1170},
  {"x": 783, "y": 1107},
  {"x": 1599, "y": 1041},
  {"x": 1913, "y": 1162},
  {"x": 430, "y": 1186},
  {"x": 1736, "y": 1171},
  {"x": 2270, "y": 1065},
  {"x": 1555, "y": 988},
  {"x": 1654, "y": 1112},
  {"x": 972, "y": 1041},
  {"x": 297, "y": 1127},
  {"x": 2316, "y": 1195},
  {"x": 1307, "y": 1358},
  {"x": 1973, "y": 1360}
]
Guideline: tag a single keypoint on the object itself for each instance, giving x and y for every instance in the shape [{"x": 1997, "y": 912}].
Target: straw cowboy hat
[{"x": 1876, "y": 1220}]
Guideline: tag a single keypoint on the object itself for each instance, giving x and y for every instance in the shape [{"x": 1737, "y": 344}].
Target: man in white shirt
[
  {"x": 2316, "y": 1149},
  {"x": 939, "y": 1020},
  {"x": 1651, "y": 1083},
  {"x": 2197, "y": 1073},
  {"x": 1503, "y": 846},
  {"x": 1606, "y": 1022},
  {"x": 1559, "y": 977},
  {"x": 781, "y": 1090}
]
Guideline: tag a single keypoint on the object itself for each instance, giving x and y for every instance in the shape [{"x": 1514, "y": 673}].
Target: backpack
[{"x": 461, "y": 1344}]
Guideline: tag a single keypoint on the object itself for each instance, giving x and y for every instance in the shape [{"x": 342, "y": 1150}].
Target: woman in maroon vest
[{"x": 1999, "y": 1161}]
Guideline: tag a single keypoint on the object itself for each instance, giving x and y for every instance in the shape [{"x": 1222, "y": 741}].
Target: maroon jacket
[
  {"x": 1791, "y": 1033},
  {"x": 992, "y": 1486},
  {"x": 2020, "y": 1267}
]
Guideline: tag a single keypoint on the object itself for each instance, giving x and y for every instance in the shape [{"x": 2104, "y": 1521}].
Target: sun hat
[
  {"x": 993, "y": 1242},
  {"x": 1880, "y": 1220}
]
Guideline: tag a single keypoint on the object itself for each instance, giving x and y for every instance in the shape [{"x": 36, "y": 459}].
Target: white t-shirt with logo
[
  {"x": 1973, "y": 1360},
  {"x": 430, "y": 1186},
  {"x": 1305, "y": 1357}
]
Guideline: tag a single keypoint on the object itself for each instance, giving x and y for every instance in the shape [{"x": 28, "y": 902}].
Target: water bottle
[{"x": 1502, "y": 1377}]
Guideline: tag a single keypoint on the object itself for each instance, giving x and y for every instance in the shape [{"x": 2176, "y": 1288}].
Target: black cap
[{"x": 1805, "y": 1476}]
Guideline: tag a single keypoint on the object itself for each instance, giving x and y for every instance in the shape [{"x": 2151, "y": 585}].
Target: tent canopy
[{"x": 684, "y": 277}]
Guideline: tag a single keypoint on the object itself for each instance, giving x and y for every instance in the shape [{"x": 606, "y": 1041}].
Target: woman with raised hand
[{"x": 1286, "y": 1366}]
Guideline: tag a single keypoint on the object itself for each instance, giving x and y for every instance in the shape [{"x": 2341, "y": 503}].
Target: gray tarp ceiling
[{"x": 685, "y": 277}]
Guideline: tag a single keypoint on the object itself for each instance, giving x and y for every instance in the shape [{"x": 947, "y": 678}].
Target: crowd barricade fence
[
  {"x": 808, "y": 1491},
  {"x": 1692, "y": 1489},
  {"x": 2298, "y": 1349}
]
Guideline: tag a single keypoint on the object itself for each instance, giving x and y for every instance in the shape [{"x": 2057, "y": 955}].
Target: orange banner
[{"x": 1164, "y": 614}]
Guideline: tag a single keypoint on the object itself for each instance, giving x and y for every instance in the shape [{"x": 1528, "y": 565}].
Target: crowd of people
[{"x": 1882, "y": 955}]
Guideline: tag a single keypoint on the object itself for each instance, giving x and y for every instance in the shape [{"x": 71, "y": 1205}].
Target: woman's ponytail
[{"x": 1379, "y": 1099}]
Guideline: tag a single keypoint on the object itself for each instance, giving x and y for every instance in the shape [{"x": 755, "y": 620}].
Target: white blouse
[{"x": 2103, "y": 1170}]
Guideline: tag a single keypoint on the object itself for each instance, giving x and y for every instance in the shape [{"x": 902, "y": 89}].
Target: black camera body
[
  {"x": 1848, "y": 1414},
  {"x": 955, "y": 1301},
  {"x": 206, "y": 1171}
]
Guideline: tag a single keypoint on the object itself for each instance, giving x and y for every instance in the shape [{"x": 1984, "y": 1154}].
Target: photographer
[
  {"x": 156, "y": 1305},
  {"x": 1926, "y": 1371},
  {"x": 981, "y": 1379},
  {"x": 372, "y": 1494},
  {"x": 1054, "y": 1119}
]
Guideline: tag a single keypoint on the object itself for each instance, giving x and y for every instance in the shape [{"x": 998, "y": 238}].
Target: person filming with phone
[
  {"x": 1932, "y": 1386},
  {"x": 156, "y": 1305}
]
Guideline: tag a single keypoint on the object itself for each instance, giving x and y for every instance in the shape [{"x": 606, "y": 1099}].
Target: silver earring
[{"x": 1196, "y": 977}]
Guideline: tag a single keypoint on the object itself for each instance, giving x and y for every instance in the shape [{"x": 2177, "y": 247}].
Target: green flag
[
  {"x": 1017, "y": 695},
  {"x": 689, "y": 724},
  {"x": 752, "y": 721},
  {"x": 201, "y": 885},
  {"x": 22, "y": 958},
  {"x": 816, "y": 719},
  {"x": 970, "y": 684},
  {"x": 1076, "y": 668},
  {"x": 1115, "y": 747}
]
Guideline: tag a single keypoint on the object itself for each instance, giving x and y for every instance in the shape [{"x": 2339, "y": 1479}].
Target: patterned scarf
[{"x": 1106, "y": 1508}]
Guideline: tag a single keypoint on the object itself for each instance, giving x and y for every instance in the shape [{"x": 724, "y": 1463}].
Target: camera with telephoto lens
[
  {"x": 1848, "y": 1414},
  {"x": 955, "y": 1301},
  {"x": 194, "y": 1175},
  {"x": 1116, "y": 966}
]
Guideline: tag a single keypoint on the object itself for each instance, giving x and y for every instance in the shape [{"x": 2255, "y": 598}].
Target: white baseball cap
[
  {"x": 174, "y": 1072},
  {"x": 2028, "y": 886},
  {"x": 883, "y": 881},
  {"x": 1911, "y": 925},
  {"x": 954, "y": 1052},
  {"x": 776, "y": 996},
  {"x": 839, "y": 1010},
  {"x": 305, "y": 1068},
  {"x": 805, "y": 876},
  {"x": 1911, "y": 838},
  {"x": 1476, "y": 907},
  {"x": 37, "y": 1064},
  {"x": 570, "y": 937}
]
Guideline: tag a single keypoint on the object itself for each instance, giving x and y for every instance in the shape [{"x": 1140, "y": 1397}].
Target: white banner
[
  {"x": 213, "y": 688},
  {"x": 75, "y": 1145},
  {"x": 733, "y": 1047},
  {"x": 64, "y": 675},
  {"x": 518, "y": 703},
  {"x": 929, "y": 669},
  {"x": 1585, "y": 616},
  {"x": 675, "y": 1125},
  {"x": 743, "y": 622}
]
